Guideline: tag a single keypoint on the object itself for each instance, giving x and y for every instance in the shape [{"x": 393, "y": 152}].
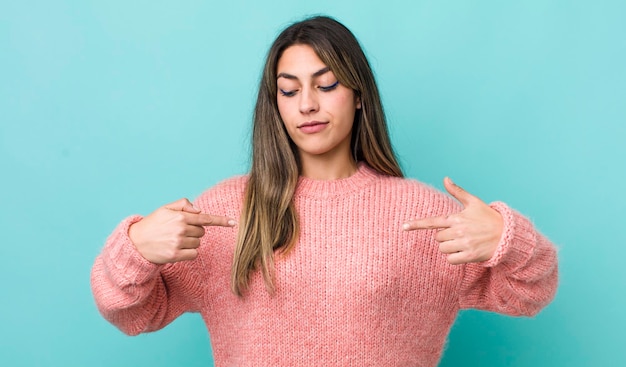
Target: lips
[{"x": 312, "y": 127}]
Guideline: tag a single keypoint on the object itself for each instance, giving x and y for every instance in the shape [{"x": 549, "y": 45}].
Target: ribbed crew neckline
[{"x": 308, "y": 187}]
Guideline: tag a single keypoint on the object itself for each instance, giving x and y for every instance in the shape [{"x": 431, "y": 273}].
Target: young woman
[{"x": 323, "y": 254}]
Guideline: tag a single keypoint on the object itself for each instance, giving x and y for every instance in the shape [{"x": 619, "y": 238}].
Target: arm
[
  {"x": 520, "y": 278},
  {"x": 134, "y": 294},
  {"x": 146, "y": 275},
  {"x": 508, "y": 266}
]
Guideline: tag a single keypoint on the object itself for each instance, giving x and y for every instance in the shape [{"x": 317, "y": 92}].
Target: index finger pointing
[
  {"x": 464, "y": 197},
  {"x": 426, "y": 223},
  {"x": 203, "y": 219}
]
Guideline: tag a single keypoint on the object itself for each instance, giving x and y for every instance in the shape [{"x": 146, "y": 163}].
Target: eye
[
  {"x": 287, "y": 93},
  {"x": 329, "y": 87}
]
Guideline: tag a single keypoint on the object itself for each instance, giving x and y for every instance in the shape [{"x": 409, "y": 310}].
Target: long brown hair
[{"x": 269, "y": 220}]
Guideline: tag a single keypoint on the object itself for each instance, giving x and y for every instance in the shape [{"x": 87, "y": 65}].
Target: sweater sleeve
[
  {"x": 136, "y": 295},
  {"x": 520, "y": 278}
]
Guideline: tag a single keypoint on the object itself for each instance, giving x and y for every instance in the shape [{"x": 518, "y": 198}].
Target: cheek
[
  {"x": 343, "y": 100},
  {"x": 286, "y": 116},
  {"x": 344, "y": 105},
  {"x": 283, "y": 109}
]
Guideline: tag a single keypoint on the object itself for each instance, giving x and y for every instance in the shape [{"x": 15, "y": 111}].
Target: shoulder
[
  {"x": 422, "y": 198},
  {"x": 406, "y": 186},
  {"x": 224, "y": 193}
]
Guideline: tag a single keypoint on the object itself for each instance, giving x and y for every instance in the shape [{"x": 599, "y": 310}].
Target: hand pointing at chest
[
  {"x": 471, "y": 235},
  {"x": 172, "y": 233}
]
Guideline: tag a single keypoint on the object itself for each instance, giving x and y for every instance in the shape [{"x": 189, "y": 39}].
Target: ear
[{"x": 358, "y": 102}]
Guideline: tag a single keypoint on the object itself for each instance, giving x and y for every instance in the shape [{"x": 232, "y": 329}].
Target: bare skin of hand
[
  {"x": 469, "y": 236},
  {"x": 172, "y": 233}
]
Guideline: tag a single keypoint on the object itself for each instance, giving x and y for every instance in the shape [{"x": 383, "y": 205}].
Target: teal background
[{"x": 109, "y": 108}]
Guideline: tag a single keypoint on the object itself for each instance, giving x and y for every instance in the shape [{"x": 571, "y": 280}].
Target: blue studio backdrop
[{"x": 109, "y": 108}]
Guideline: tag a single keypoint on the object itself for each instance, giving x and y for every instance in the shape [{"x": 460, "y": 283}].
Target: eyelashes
[
  {"x": 330, "y": 87},
  {"x": 327, "y": 88},
  {"x": 285, "y": 93}
]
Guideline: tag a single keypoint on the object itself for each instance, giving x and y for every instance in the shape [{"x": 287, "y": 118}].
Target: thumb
[
  {"x": 183, "y": 205},
  {"x": 464, "y": 197}
]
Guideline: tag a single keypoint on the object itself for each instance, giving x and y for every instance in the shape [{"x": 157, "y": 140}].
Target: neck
[{"x": 327, "y": 168}]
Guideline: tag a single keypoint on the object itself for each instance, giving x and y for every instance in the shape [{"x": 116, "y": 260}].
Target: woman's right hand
[{"x": 172, "y": 233}]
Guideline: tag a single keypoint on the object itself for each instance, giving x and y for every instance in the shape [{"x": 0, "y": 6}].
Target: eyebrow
[{"x": 314, "y": 75}]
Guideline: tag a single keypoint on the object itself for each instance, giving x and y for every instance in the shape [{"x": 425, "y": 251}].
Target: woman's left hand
[{"x": 472, "y": 235}]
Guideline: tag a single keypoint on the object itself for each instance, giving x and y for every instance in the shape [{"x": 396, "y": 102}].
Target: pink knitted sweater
[{"x": 356, "y": 290}]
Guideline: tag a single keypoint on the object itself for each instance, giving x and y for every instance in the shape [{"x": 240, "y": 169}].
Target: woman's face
[{"x": 316, "y": 109}]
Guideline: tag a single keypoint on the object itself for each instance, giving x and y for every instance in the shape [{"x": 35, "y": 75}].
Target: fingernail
[
  {"x": 406, "y": 226},
  {"x": 231, "y": 222}
]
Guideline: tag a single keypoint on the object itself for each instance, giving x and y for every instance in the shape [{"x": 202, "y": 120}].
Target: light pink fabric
[{"x": 356, "y": 290}]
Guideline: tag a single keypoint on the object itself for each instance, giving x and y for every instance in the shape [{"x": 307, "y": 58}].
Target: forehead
[{"x": 300, "y": 61}]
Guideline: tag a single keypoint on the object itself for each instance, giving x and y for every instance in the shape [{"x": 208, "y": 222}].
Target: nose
[{"x": 308, "y": 101}]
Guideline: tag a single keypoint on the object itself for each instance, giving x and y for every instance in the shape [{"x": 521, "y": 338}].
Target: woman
[{"x": 323, "y": 254}]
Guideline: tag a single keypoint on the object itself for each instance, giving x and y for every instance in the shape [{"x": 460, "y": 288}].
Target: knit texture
[{"x": 356, "y": 290}]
